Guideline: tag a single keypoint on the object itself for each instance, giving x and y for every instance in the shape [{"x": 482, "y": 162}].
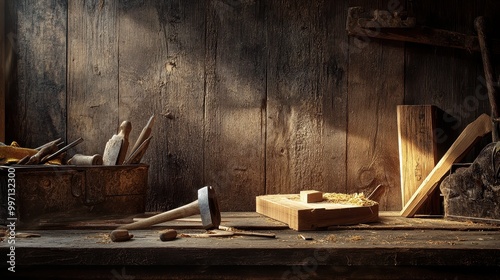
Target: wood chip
[{"x": 27, "y": 235}]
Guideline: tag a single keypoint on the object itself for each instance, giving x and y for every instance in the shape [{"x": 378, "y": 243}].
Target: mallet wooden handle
[{"x": 177, "y": 213}]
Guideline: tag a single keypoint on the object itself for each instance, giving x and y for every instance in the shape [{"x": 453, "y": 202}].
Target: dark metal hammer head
[{"x": 209, "y": 207}]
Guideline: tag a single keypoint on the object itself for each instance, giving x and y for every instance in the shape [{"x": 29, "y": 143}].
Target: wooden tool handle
[
  {"x": 125, "y": 129},
  {"x": 136, "y": 156},
  {"x": 45, "y": 151},
  {"x": 247, "y": 233},
  {"x": 258, "y": 234},
  {"x": 57, "y": 142},
  {"x": 62, "y": 150},
  {"x": 479, "y": 23},
  {"x": 177, "y": 213},
  {"x": 145, "y": 133}
]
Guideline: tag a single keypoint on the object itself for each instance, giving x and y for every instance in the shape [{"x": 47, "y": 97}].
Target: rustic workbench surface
[{"x": 433, "y": 244}]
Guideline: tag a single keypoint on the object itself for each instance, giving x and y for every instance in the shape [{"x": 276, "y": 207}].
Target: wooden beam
[
  {"x": 475, "y": 130},
  {"x": 419, "y": 34}
]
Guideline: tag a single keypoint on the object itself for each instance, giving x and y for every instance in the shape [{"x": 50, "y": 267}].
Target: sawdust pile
[{"x": 357, "y": 199}]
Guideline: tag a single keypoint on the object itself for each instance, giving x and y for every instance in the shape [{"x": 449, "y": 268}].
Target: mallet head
[{"x": 209, "y": 207}]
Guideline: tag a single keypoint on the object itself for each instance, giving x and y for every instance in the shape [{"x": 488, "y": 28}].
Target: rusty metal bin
[{"x": 55, "y": 193}]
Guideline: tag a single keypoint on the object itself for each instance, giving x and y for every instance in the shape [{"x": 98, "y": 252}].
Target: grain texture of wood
[
  {"x": 306, "y": 97},
  {"x": 418, "y": 154},
  {"x": 313, "y": 216},
  {"x": 311, "y": 196},
  {"x": 257, "y": 272},
  {"x": 253, "y": 97},
  {"x": 63, "y": 248},
  {"x": 92, "y": 74},
  {"x": 37, "y": 102},
  {"x": 474, "y": 131},
  {"x": 376, "y": 75},
  {"x": 162, "y": 57},
  {"x": 3, "y": 70},
  {"x": 425, "y": 35},
  {"x": 235, "y": 112}
]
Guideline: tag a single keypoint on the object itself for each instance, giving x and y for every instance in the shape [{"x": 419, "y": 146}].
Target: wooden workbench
[{"x": 394, "y": 248}]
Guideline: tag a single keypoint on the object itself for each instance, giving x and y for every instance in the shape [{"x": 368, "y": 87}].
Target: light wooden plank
[
  {"x": 92, "y": 74},
  {"x": 475, "y": 130},
  {"x": 36, "y": 102},
  {"x": 306, "y": 96},
  {"x": 84, "y": 249},
  {"x": 161, "y": 71},
  {"x": 300, "y": 215},
  {"x": 311, "y": 196},
  {"x": 235, "y": 112},
  {"x": 376, "y": 87}
]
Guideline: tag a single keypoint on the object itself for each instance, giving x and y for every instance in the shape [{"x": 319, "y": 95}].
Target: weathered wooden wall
[
  {"x": 3, "y": 70},
  {"x": 250, "y": 96}
]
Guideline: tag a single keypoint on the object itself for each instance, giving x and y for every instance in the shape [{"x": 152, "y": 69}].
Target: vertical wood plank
[
  {"x": 418, "y": 151},
  {"x": 417, "y": 146},
  {"x": 306, "y": 110},
  {"x": 161, "y": 71},
  {"x": 3, "y": 70},
  {"x": 235, "y": 128},
  {"x": 376, "y": 87},
  {"x": 36, "y": 104},
  {"x": 92, "y": 74}
]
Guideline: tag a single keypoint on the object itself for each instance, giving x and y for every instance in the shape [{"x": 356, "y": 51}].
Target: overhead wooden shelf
[{"x": 417, "y": 34}]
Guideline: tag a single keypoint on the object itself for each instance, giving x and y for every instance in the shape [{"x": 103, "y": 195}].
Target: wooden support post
[{"x": 3, "y": 67}]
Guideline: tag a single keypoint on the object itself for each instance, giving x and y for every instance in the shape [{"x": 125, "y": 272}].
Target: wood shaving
[
  {"x": 331, "y": 238},
  {"x": 102, "y": 238},
  {"x": 355, "y": 238},
  {"x": 356, "y": 199},
  {"x": 27, "y": 235}
]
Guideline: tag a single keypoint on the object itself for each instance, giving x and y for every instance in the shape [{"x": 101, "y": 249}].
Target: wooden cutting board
[{"x": 289, "y": 209}]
